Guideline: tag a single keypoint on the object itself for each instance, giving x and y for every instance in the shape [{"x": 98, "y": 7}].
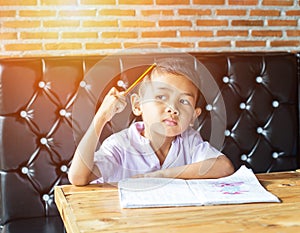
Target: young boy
[{"x": 163, "y": 145}]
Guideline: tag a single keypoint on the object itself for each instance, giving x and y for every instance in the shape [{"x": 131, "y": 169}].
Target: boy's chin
[{"x": 163, "y": 130}]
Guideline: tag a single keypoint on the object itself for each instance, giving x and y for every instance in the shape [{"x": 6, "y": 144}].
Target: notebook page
[
  {"x": 241, "y": 187},
  {"x": 154, "y": 192}
]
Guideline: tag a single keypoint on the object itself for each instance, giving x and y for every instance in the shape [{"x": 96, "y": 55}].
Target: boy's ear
[
  {"x": 135, "y": 104},
  {"x": 197, "y": 113}
]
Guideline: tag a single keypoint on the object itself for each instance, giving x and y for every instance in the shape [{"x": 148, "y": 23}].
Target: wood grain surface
[{"x": 95, "y": 208}]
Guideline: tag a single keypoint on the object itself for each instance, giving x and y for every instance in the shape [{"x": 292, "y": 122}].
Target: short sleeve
[
  {"x": 200, "y": 150},
  {"x": 204, "y": 151},
  {"x": 107, "y": 160}
]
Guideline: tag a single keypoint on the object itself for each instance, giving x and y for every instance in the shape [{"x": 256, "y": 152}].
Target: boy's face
[{"x": 168, "y": 104}]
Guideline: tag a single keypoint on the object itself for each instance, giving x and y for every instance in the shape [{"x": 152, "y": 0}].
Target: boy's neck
[
  {"x": 161, "y": 146},
  {"x": 159, "y": 143}
]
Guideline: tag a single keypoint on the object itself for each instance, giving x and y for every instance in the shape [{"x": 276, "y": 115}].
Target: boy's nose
[{"x": 172, "y": 110}]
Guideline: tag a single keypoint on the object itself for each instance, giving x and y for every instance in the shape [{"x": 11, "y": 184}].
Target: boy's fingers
[{"x": 112, "y": 91}]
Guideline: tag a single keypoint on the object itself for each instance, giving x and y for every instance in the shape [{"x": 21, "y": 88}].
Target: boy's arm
[
  {"x": 83, "y": 170},
  {"x": 206, "y": 169}
]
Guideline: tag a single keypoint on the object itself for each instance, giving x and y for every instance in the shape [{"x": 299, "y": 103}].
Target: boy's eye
[
  {"x": 184, "y": 101},
  {"x": 161, "y": 97}
]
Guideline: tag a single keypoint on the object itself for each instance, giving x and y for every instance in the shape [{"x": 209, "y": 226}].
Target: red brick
[
  {"x": 61, "y": 23},
  {"x": 250, "y": 43},
  {"x": 137, "y": 23},
  {"x": 36, "y": 13},
  {"x": 141, "y": 45},
  {"x": 265, "y": 13},
  {"x": 100, "y": 23},
  {"x": 293, "y": 12},
  {"x": 196, "y": 33},
  {"x": 98, "y": 2},
  {"x": 157, "y": 12},
  {"x": 135, "y": 2},
  {"x": 63, "y": 46},
  {"x": 18, "y": 2},
  {"x": 194, "y": 12},
  {"x": 282, "y": 22},
  {"x": 81, "y": 35},
  {"x": 172, "y": 2},
  {"x": 58, "y": 2},
  {"x": 277, "y": 2},
  {"x": 293, "y": 32},
  {"x": 243, "y": 2},
  {"x": 208, "y": 22},
  {"x": 21, "y": 24},
  {"x": 103, "y": 45},
  {"x": 116, "y": 12},
  {"x": 285, "y": 43},
  {"x": 247, "y": 23},
  {"x": 9, "y": 13},
  {"x": 209, "y": 2},
  {"x": 214, "y": 44},
  {"x": 128, "y": 35},
  {"x": 39, "y": 35},
  {"x": 158, "y": 34},
  {"x": 23, "y": 47},
  {"x": 175, "y": 23},
  {"x": 78, "y": 13},
  {"x": 178, "y": 44},
  {"x": 263, "y": 33},
  {"x": 231, "y": 12},
  {"x": 8, "y": 35},
  {"x": 232, "y": 33}
]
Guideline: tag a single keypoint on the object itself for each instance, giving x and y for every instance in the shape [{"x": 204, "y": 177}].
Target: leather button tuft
[
  {"x": 42, "y": 84},
  {"x": 64, "y": 168},
  {"x": 62, "y": 112},
  {"x": 25, "y": 170},
  {"x": 226, "y": 79},
  {"x": 227, "y": 133},
  {"x": 209, "y": 107},
  {"x": 122, "y": 84},
  {"x": 259, "y": 79},
  {"x": 23, "y": 114},
  {"x": 43, "y": 141},
  {"x": 244, "y": 157},
  {"x": 82, "y": 84},
  {"x": 259, "y": 130},
  {"x": 46, "y": 197},
  {"x": 275, "y": 104},
  {"x": 275, "y": 155},
  {"x": 242, "y": 106}
]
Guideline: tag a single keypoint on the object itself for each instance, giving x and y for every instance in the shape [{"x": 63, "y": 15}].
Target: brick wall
[{"x": 89, "y": 27}]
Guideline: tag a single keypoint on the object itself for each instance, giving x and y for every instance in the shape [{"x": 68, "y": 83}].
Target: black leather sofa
[{"x": 250, "y": 111}]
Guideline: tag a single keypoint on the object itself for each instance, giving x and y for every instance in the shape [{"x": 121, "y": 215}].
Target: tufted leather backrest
[{"x": 250, "y": 111}]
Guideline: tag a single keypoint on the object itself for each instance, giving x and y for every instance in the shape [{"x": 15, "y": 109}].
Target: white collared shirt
[{"x": 128, "y": 153}]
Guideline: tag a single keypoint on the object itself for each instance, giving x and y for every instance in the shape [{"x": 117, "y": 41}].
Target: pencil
[{"x": 139, "y": 79}]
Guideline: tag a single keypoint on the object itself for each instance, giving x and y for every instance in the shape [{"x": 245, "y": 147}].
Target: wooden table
[{"x": 95, "y": 208}]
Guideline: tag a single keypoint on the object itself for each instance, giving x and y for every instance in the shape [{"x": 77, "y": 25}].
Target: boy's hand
[{"x": 113, "y": 103}]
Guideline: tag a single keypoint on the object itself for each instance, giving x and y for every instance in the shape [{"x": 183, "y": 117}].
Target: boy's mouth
[{"x": 170, "y": 122}]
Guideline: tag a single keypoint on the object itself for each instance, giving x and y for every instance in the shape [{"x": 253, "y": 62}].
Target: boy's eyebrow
[{"x": 184, "y": 93}]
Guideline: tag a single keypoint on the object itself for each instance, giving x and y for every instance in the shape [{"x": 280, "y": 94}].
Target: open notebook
[{"x": 240, "y": 187}]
